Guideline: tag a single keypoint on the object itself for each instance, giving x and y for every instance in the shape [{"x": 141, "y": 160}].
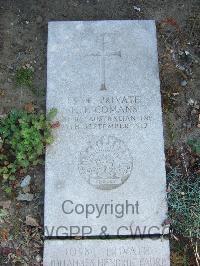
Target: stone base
[{"x": 129, "y": 252}]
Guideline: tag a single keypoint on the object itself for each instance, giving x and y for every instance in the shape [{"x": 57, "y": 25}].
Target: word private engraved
[
  {"x": 106, "y": 163},
  {"x": 103, "y": 54}
]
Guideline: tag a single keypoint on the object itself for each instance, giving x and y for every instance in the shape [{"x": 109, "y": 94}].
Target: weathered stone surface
[
  {"x": 106, "y": 168},
  {"x": 106, "y": 252}
]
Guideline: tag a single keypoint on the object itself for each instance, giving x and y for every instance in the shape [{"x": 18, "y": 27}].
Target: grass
[
  {"x": 24, "y": 77},
  {"x": 184, "y": 214},
  {"x": 184, "y": 204}
]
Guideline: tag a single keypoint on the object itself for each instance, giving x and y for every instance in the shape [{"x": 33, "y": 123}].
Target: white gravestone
[{"x": 105, "y": 172}]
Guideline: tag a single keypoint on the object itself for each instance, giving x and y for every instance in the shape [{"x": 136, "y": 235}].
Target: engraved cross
[{"x": 103, "y": 54}]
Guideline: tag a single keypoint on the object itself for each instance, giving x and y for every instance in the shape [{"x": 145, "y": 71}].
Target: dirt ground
[{"x": 23, "y": 42}]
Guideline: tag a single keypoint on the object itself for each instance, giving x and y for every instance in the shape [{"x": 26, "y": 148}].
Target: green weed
[
  {"x": 24, "y": 77},
  {"x": 23, "y": 137},
  {"x": 195, "y": 145}
]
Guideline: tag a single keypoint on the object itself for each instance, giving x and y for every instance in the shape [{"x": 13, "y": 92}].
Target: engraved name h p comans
[{"x": 106, "y": 112}]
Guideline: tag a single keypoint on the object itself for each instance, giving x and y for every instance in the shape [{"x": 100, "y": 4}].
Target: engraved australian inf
[{"x": 106, "y": 163}]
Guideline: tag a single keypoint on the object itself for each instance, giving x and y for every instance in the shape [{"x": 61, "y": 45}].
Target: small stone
[
  {"x": 189, "y": 125},
  {"x": 9, "y": 80},
  {"x": 10, "y": 67},
  {"x": 39, "y": 19},
  {"x": 31, "y": 221},
  {"x": 193, "y": 112},
  {"x": 6, "y": 86},
  {"x": 26, "y": 189},
  {"x": 175, "y": 93},
  {"x": 180, "y": 52},
  {"x": 27, "y": 65},
  {"x": 25, "y": 197},
  {"x": 2, "y": 116},
  {"x": 183, "y": 83},
  {"x": 191, "y": 102},
  {"x": 180, "y": 67},
  {"x": 26, "y": 181},
  {"x": 38, "y": 258},
  {"x": 137, "y": 8},
  {"x": 5, "y": 204}
]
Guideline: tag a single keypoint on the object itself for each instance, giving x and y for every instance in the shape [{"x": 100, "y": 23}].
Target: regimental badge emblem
[{"x": 106, "y": 163}]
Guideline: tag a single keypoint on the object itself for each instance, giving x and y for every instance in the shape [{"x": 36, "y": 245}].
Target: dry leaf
[
  {"x": 2, "y": 92},
  {"x": 4, "y": 234},
  {"x": 18, "y": 252},
  {"x": 171, "y": 22},
  {"x": 6, "y": 251},
  {"x": 29, "y": 107},
  {"x": 21, "y": 172}
]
